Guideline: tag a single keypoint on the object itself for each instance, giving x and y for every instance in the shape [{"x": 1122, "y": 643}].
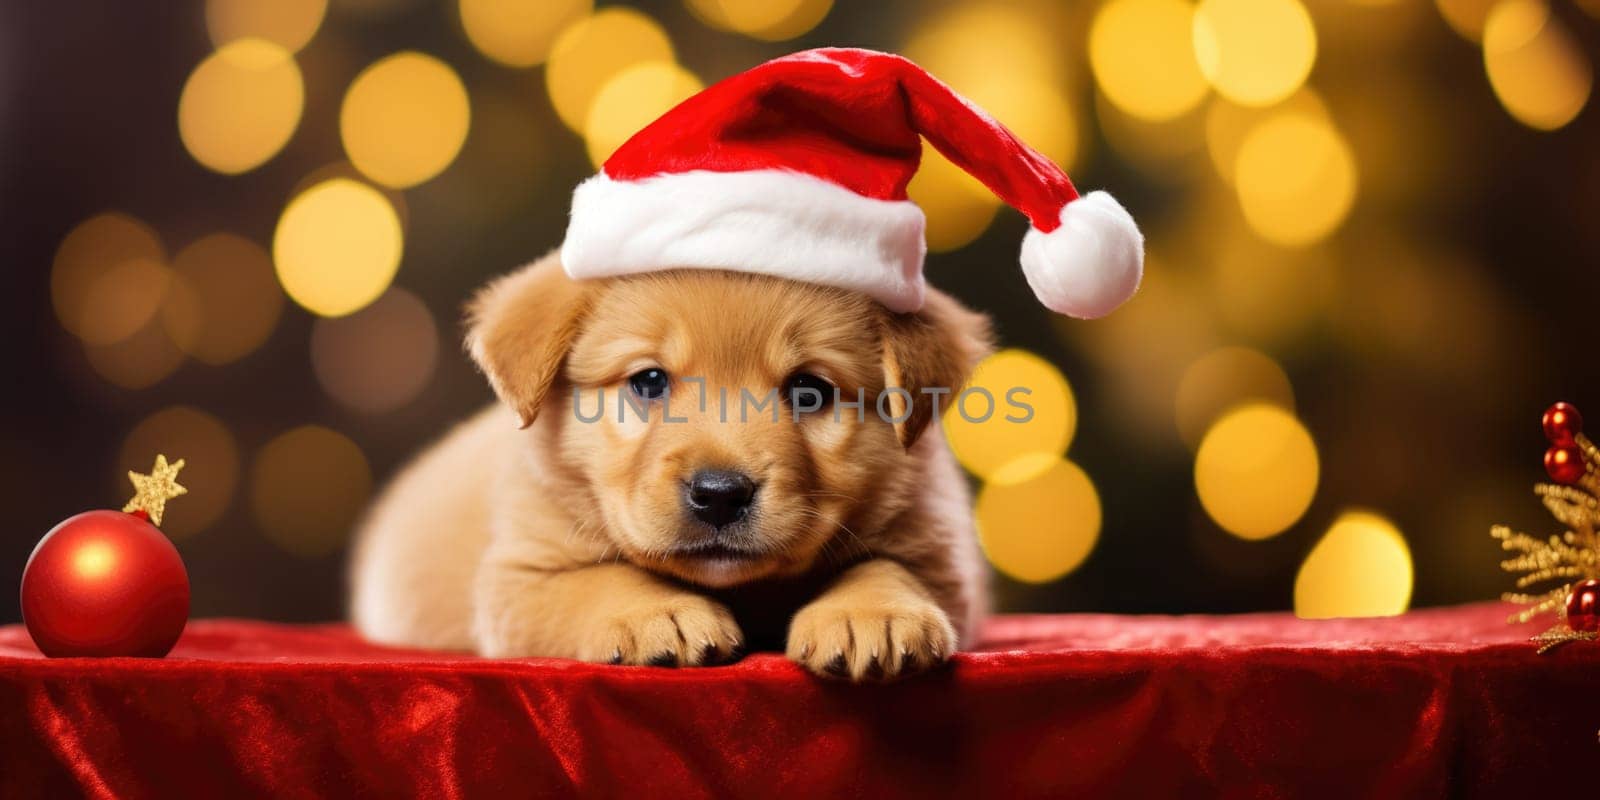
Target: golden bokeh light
[
  {"x": 1041, "y": 527},
  {"x": 347, "y": 171},
  {"x": 287, "y": 23},
  {"x": 988, "y": 440},
  {"x": 1223, "y": 379},
  {"x": 1142, "y": 54},
  {"x": 1535, "y": 66},
  {"x": 139, "y": 361},
  {"x": 632, "y": 100},
  {"x": 1361, "y": 568},
  {"x": 519, "y": 33},
  {"x": 225, "y": 300},
  {"x": 976, "y": 44},
  {"x": 404, "y": 119},
  {"x": 241, "y": 105},
  {"x": 87, "y": 253},
  {"x": 379, "y": 358},
  {"x": 1265, "y": 293},
  {"x": 588, "y": 54},
  {"x": 210, "y": 453},
  {"x": 122, "y": 300},
  {"x": 768, "y": 20},
  {"x": 1256, "y": 471},
  {"x": 369, "y": 10},
  {"x": 1228, "y": 123},
  {"x": 1296, "y": 178},
  {"x": 1466, "y": 16},
  {"x": 1254, "y": 52},
  {"x": 307, "y": 487},
  {"x": 337, "y": 247},
  {"x": 959, "y": 208},
  {"x": 1166, "y": 147}
]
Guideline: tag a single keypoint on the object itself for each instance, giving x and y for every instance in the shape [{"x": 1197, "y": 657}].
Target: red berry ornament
[
  {"x": 1583, "y": 606},
  {"x": 1564, "y": 463},
  {"x": 1562, "y": 423},
  {"x": 109, "y": 583}
]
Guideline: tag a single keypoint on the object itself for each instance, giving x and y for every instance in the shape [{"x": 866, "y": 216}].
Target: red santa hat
[{"x": 798, "y": 169}]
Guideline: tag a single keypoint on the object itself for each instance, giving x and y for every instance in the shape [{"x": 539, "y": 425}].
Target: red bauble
[
  {"x": 1564, "y": 462},
  {"x": 1562, "y": 423},
  {"x": 1583, "y": 606},
  {"x": 105, "y": 583}
]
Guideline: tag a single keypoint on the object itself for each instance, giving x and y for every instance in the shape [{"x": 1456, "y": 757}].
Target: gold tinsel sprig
[
  {"x": 1569, "y": 558},
  {"x": 1558, "y": 562}
]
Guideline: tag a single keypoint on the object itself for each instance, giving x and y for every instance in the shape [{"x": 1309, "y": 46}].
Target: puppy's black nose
[{"x": 720, "y": 497}]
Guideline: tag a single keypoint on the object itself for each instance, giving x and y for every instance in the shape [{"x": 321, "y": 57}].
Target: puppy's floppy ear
[
  {"x": 520, "y": 327},
  {"x": 936, "y": 347}
]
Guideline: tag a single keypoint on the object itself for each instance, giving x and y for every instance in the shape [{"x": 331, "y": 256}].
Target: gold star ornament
[{"x": 151, "y": 492}]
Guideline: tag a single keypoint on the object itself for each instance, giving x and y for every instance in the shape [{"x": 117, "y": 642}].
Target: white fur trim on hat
[
  {"x": 772, "y": 222},
  {"x": 1089, "y": 265}
]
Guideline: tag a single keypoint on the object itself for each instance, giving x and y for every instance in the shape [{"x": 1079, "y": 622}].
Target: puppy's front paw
[
  {"x": 681, "y": 631},
  {"x": 880, "y": 641}
]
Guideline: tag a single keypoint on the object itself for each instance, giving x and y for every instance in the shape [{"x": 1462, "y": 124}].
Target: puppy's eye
[
  {"x": 649, "y": 384},
  {"x": 807, "y": 392}
]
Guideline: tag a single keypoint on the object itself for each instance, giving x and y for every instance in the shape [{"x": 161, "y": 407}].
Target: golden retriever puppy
[{"x": 652, "y": 509}]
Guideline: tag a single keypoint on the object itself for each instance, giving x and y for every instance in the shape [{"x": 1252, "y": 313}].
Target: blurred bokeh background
[{"x": 241, "y": 232}]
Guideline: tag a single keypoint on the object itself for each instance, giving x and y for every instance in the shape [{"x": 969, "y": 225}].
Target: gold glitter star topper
[{"x": 151, "y": 492}]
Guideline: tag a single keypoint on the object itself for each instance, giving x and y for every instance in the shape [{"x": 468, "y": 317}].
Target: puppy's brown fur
[{"x": 565, "y": 538}]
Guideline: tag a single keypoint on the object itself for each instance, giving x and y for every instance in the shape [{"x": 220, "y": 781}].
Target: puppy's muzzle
[{"x": 719, "y": 497}]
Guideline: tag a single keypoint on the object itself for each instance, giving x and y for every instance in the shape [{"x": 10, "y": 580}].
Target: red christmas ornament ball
[
  {"x": 1583, "y": 606},
  {"x": 105, "y": 583},
  {"x": 1564, "y": 463},
  {"x": 1562, "y": 423}
]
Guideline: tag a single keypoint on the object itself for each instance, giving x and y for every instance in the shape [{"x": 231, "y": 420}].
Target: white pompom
[{"x": 1089, "y": 265}]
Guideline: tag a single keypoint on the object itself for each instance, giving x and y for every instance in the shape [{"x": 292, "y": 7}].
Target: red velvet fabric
[{"x": 1435, "y": 703}]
